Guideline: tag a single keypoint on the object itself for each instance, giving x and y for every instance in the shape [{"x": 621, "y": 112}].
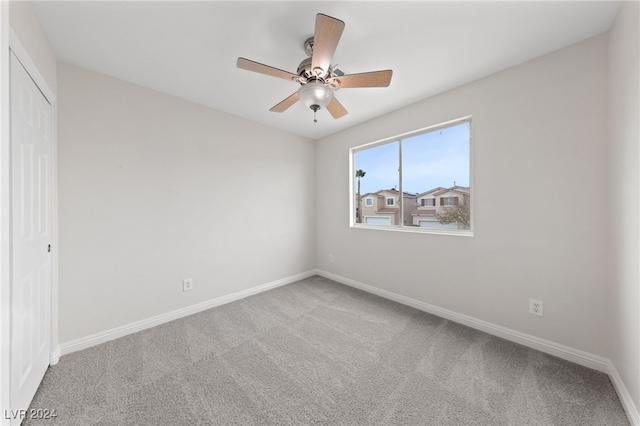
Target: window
[
  {"x": 449, "y": 201},
  {"x": 426, "y": 168}
]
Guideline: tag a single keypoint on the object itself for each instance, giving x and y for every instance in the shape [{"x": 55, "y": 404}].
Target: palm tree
[{"x": 359, "y": 174}]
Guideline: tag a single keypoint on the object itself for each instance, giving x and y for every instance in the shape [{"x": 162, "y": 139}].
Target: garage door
[
  {"x": 377, "y": 220},
  {"x": 436, "y": 225}
]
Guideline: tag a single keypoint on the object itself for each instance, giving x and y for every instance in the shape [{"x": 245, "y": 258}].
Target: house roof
[
  {"x": 394, "y": 191},
  {"x": 422, "y": 194},
  {"x": 463, "y": 190},
  {"x": 440, "y": 190},
  {"x": 457, "y": 189}
]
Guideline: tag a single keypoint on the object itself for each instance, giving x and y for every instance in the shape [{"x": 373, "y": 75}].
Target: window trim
[
  {"x": 398, "y": 138},
  {"x": 386, "y": 202},
  {"x": 366, "y": 202}
]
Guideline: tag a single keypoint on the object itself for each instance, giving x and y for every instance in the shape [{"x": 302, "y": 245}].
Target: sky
[{"x": 438, "y": 158}]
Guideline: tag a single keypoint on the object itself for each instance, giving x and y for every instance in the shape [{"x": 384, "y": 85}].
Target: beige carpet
[{"x": 318, "y": 352}]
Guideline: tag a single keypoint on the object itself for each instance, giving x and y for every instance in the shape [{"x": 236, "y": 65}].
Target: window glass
[
  {"x": 376, "y": 177},
  {"x": 421, "y": 180}
]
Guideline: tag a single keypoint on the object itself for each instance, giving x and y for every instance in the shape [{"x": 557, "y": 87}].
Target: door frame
[{"x": 9, "y": 41}]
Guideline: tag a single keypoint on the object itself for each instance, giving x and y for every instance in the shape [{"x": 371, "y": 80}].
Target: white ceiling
[{"x": 189, "y": 49}]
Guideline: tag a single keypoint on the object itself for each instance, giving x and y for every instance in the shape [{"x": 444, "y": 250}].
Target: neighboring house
[
  {"x": 436, "y": 201},
  {"x": 383, "y": 207}
]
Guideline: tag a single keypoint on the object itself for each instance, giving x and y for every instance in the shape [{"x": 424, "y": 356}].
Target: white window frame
[
  {"x": 386, "y": 202},
  {"x": 400, "y": 227},
  {"x": 367, "y": 200}
]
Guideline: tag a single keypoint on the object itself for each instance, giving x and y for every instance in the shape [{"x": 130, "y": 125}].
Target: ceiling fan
[{"x": 317, "y": 77}]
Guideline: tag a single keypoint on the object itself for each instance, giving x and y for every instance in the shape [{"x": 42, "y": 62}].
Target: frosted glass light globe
[{"x": 315, "y": 93}]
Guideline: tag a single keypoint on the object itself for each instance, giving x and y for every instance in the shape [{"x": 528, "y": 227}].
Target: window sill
[{"x": 415, "y": 230}]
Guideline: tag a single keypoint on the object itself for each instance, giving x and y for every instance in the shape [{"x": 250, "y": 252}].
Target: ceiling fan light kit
[
  {"x": 315, "y": 74},
  {"x": 315, "y": 95}
]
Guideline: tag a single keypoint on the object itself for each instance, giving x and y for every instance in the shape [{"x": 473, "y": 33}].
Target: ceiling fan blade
[
  {"x": 249, "y": 65},
  {"x": 336, "y": 109},
  {"x": 284, "y": 105},
  {"x": 325, "y": 40},
  {"x": 365, "y": 79}
]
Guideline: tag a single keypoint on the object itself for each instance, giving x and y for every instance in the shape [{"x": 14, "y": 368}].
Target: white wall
[
  {"x": 25, "y": 24},
  {"x": 5, "y": 211},
  {"x": 624, "y": 193},
  {"x": 154, "y": 189},
  {"x": 539, "y": 134}
]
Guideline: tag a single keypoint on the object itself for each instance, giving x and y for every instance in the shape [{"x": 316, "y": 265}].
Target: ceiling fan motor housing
[
  {"x": 305, "y": 71},
  {"x": 308, "y": 46}
]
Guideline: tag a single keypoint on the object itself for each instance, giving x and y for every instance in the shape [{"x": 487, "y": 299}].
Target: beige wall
[
  {"x": 437, "y": 209},
  {"x": 154, "y": 189},
  {"x": 408, "y": 205},
  {"x": 379, "y": 202},
  {"x": 548, "y": 114},
  {"x": 624, "y": 195},
  {"x": 369, "y": 210}
]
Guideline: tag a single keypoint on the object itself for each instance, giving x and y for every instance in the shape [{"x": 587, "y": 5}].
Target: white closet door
[{"x": 31, "y": 140}]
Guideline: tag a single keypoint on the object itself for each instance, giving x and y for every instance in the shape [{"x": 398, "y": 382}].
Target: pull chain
[{"x": 315, "y": 109}]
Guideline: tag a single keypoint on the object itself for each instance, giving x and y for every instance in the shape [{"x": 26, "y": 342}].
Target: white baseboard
[
  {"x": 625, "y": 398},
  {"x": 114, "y": 333},
  {"x": 567, "y": 353},
  {"x": 570, "y": 354},
  {"x": 55, "y": 356}
]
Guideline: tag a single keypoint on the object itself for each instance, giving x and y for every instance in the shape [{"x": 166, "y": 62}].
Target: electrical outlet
[
  {"x": 330, "y": 258},
  {"x": 536, "y": 307},
  {"x": 187, "y": 284}
]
